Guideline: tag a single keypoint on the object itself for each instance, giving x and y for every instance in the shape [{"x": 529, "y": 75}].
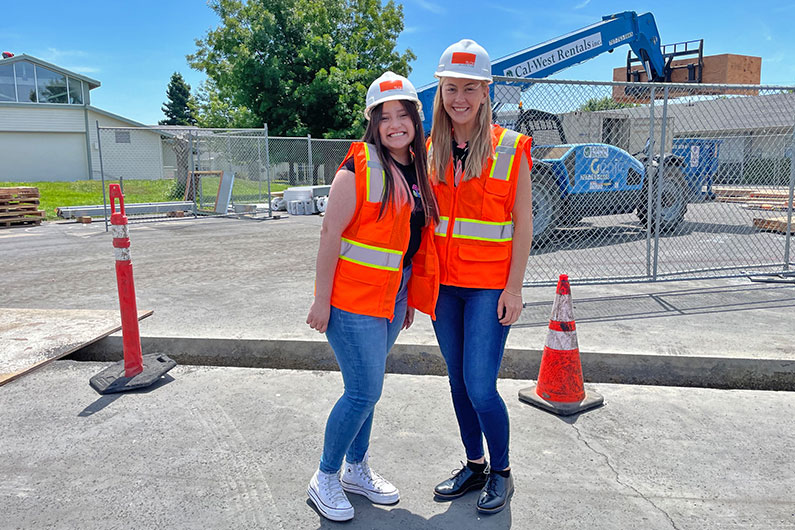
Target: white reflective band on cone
[
  {"x": 122, "y": 254},
  {"x": 562, "y": 340},
  {"x": 562, "y": 310},
  {"x": 486, "y": 231},
  {"x": 119, "y": 231},
  {"x": 370, "y": 256}
]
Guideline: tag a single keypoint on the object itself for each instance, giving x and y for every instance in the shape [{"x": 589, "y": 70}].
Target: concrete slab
[
  {"x": 30, "y": 338},
  {"x": 234, "y": 448}
]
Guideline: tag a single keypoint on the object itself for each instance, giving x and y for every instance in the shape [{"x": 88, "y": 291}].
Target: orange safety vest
[
  {"x": 369, "y": 269},
  {"x": 474, "y": 238}
]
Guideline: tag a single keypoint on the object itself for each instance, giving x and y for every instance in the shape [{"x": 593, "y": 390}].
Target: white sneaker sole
[
  {"x": 378, "y": 498},
  {"x": 327, "y": 511}
]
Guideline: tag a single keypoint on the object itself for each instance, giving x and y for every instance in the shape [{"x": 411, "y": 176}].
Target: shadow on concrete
[
  {"x": 107, "y": 399},
  {"x": 461, "y": 513},
  {"x": 682, "y": 302}
]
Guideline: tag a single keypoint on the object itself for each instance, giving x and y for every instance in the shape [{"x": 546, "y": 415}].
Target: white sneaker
[
  {"x": 325, "y": 491},
  {"x": 360, "y": 479}
]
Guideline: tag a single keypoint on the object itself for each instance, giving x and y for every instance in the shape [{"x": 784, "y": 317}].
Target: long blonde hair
[{"x": 480, "y": 148}]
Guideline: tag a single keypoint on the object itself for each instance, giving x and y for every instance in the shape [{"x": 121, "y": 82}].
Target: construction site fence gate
[{"x": 632, "y": 182}]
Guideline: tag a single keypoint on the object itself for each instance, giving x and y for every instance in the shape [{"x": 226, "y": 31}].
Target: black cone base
[
  {"x": 592, "y": 400},
  {"x": 112, "y": 379}
]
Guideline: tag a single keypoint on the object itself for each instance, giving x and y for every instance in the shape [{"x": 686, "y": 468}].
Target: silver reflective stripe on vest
[
  {"x": 375, "y": 174},
  {"x": 441, "y": 228},
  {"x": 370, "y": 256},
  {"x": 483, "y": 230},
  {"x": 504, "y": 155}
]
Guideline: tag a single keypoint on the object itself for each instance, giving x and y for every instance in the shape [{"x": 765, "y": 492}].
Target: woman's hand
[
  {"x": 409, "y": 320},
  {"x": 318, "y": 316},
  {"x": 509, "y": 307}
]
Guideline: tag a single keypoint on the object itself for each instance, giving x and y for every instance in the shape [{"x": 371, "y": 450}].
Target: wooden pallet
[
  {"x": 773, "y": 224},
  {"x": 19, "y": 207}
]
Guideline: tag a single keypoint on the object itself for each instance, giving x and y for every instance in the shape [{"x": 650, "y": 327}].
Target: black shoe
[
  {"x": 496, "y": 494},
  {"x": 461, "y": 482}
]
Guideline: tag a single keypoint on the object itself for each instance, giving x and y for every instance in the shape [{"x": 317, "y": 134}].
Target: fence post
[
  {"x": 268, "y": 172},
  {"x": 102, "y": 174},
  {"x": 788, "y": 237},
  {"x": 259, "y": 168},
  {"x": 661, "y": 177},
  {"x": 309, "y": 149},
  {"x": 649, "y": 169},
  {"x": 193, "y": 177}
]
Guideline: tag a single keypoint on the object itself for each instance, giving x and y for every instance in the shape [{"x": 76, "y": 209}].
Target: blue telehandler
[{"x": 573, "y": 181}]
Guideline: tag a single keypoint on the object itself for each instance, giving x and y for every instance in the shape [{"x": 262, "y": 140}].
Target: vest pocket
[
  {"x": 363, "y": 289},
  {"x": 495, "y": 199},
  {"x": 484, "y": 253},
  {"x": 372, "y": 229}
]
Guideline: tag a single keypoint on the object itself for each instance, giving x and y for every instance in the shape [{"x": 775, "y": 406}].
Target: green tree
[
  {"x": 215, "y": 109},
  {"x": 302, "y": 66},
  {"x": 605, "y": 103},
  {"x": 178, "y": 107}
]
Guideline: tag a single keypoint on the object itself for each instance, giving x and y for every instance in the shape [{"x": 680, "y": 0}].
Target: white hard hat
[
  {"x": 466, "y": 59},
  {"x": 389, "y": 87}
]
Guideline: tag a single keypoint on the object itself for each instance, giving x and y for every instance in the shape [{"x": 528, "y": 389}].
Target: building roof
[
  {"x": 92, "y": 83},
  {"x": 771, "y": 112}
]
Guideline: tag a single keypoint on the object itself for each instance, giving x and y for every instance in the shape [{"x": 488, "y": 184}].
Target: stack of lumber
[
  {"x": 19, "y": 207},
  {"x": 772, "y": 201},
  {"x": 774, "y": 224}
]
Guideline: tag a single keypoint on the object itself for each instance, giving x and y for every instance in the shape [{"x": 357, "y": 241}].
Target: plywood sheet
[{"x": 30, "y": 338}]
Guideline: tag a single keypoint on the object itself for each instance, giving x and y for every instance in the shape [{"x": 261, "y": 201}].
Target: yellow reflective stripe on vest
[
  {"x": 483, "y": 230},
  {"x": 504, "y": 155},
  {"x": 370, "y": 256},
  {"x": 375, "y": 174},
  {"x": 441, "y": 228}
]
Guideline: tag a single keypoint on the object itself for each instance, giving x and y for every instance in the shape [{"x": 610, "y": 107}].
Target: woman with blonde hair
[
  {"x": 481, "y": 180},
  {"x": 375, "y": 264}
]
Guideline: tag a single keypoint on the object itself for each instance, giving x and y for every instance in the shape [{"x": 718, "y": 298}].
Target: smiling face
[
  {"x": 396, "y": 128},
  {"x": 462, "y": 98}
]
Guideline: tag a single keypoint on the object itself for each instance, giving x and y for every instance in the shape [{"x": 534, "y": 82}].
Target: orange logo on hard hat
[
  {"x": 397, "y": 84},
  {"x": 464, "y": 58}
]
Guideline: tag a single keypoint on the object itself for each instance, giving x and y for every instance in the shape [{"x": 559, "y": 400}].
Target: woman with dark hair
[
  {"x": 481, "y": 175},
  {"x": 375, "y": 265}
]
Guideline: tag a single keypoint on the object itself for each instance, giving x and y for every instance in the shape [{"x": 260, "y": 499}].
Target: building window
[
  {"x": 75, "y": 91},
  {"x": 122, "y": 137},
  {"x": 26, "y": 81},
  {"x": 8, "y": 91},
  {"x": 51, "y": 86}
]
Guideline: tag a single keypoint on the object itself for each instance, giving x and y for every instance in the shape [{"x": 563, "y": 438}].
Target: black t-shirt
[{"x": 417, "y": 215}]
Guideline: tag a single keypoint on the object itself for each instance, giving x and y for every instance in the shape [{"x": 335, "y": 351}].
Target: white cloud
[
  {"x": 582, "y": 4},
  {"x": 431, "y": 6}
]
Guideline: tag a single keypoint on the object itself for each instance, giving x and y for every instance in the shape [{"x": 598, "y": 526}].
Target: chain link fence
[
  {"x": 636, "y": 182},
  {"x": 173, "y": 172},
  {"x": 631, "y": 182}
]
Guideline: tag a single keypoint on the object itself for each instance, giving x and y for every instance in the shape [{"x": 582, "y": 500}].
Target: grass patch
[{"x": 89, "y": 192}]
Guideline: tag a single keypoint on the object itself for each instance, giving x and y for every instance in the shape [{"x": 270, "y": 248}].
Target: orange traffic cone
[{"x": 560, "y": 389}]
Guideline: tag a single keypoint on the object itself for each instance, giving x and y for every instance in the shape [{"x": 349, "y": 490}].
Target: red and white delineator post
[{"x": 136, "y": 370}]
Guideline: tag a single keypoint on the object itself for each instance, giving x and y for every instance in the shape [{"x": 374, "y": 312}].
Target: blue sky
[{"x": 133, "y": 47}]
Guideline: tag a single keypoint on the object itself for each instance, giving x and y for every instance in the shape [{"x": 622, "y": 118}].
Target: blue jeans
[
  {"x": 472, "y": 341},
  {"x": 361, "y": 344}
]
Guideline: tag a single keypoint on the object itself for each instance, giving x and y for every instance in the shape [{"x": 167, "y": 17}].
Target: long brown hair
[
  {"x": 480, "y": 148},
  {"x": 391, "y": 193}
]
